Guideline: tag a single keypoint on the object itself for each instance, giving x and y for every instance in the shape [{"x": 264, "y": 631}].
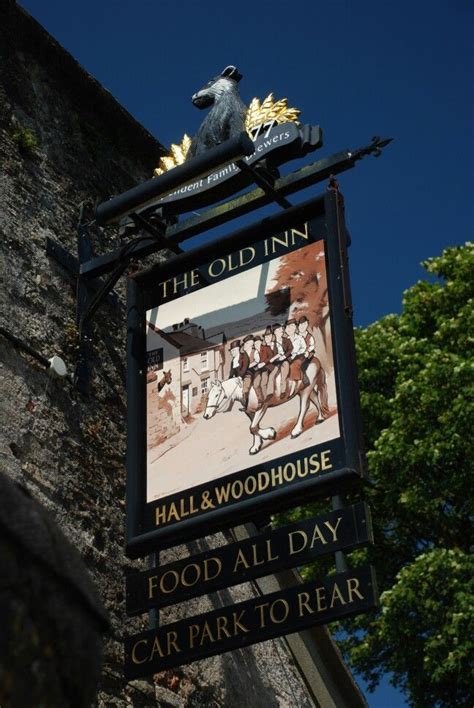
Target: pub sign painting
[{"x": 245, "y": 364}]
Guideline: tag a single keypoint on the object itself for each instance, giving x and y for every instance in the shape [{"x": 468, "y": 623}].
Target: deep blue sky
[
  {"x": 362, "y": 68},
  {"x": 358, "y": 69},
  {"x": 400, "y": 69}
]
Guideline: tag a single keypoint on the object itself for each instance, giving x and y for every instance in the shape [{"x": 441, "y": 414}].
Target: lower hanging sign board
[
  {"x": 266, "y": 553},
  {"x": 291, "y": 610}
]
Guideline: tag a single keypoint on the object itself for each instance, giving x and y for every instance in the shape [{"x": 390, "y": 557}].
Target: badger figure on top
[{"x": 227, "y": 115}]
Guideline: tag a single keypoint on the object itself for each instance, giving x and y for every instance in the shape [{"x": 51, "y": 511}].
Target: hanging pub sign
[{"x": 254, "y": 405}]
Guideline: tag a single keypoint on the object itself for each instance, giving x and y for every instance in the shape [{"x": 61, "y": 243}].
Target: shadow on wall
[{"x": 51, "y": 617}]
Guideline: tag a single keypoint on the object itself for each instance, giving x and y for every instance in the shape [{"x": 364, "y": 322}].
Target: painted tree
[
  {"x": 417, "y": 386},
  {"x": 305, "y": 276}
]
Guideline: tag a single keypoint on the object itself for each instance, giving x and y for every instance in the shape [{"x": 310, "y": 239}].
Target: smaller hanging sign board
[
  {"x": 292, "y": 610},
  {"x": 263, "y": 554}
]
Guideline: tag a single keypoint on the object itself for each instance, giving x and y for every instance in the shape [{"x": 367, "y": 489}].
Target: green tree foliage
[{"x": 417, "y": 396}]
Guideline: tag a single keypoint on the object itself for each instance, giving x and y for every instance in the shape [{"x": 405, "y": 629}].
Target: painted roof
[{"x": 186, "y": 343}]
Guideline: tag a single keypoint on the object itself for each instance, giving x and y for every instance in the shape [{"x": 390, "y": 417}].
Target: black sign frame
[{"x": 326, "y": 213}]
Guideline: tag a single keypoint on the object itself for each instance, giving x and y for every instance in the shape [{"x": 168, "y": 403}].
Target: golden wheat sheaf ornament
[
  {"x": 269, "y": 112},
  {"x": 176, "y": 156},
  {"x": 259, "y": 115}
]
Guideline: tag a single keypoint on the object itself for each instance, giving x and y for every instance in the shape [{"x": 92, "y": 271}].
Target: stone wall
[{"x": 65, "y": 140}]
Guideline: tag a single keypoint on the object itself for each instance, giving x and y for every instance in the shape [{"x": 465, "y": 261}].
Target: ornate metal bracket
[{"x": 216, "y": 216}]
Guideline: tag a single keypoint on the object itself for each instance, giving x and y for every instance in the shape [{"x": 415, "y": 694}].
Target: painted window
[
  {"x": 204, "y": 361},
  {"x": 205, "y": 386},
  {"x": 185, "y": 363},
  {"x": 195, "y": 391}
]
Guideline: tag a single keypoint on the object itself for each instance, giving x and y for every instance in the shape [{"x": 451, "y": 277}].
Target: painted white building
[{"x": 193, "y": 360}]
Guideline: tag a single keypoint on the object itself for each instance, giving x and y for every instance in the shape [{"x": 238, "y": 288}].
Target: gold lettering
[
  {"x": 134, "y": 655},
  {"x": 263, "y": 481},
  {"x": 173, "y": 512},
  {"x": 182, "y": 510},
  {"x": 193, "y": 633},
  {"x": 317, "y": 535},
  {"x": 237, "y": 489},
  {"x": 314, "y": 463},
  {"x": 286, "y": 611},
  {"x": 289, "y": 472},
  {"x": 353, "y": 587},
  {"x": 217, "y": 561},
  {"x": 220, "y": 262},
  {"x": 188, "y": 584},
  {"x": 301, "y": 234},
  {"x": 333, "y": 529},
  {"x": 207, "y": 634},
  {"x": 177, "y": 282},
  {"x": 156, "y": 649},
  {"x": 302, "y": 471},
  {"x": 194, "y": 277},
  {"x": 173, "y": 574},
  {"x": 303, "y": 599},
  {"x": 261, "y": 608},
  {"x": 255, "y": 556},
  {"x": 251, "y": 253},
  {"x": 269, "y": 551},
  {"x": 336, "y": 595},
  {"x": 172, "y": 641},
  {"x": 250, "y": 485},
  {"x": 222, "y": 627},
  {"x": 151, "y": 585},
  {"x": 320, "y": 598},
  {"x": 222, "y": 493},
  {"x": 325, "y": 463},
  {"x": 282, "y": 241},
  {"x": 290, "y": 539},
  {"x": 164, "y": 287},
  {"x": 192, "y": 508},
  {"x": 160, "y": 514},
  {"x": 240, "y": 559},
  {"x": 231, "y": 266},
  {"x": 238, "y": 622},
  {"x": 277, "y": 476}
]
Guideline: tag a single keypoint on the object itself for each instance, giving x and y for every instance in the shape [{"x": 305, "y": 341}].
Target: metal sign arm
[
  {"x": 157, "y": 234},
  {"x": 222, "y": 213},
  {"x": 150, "y": 191},
  {"x": 264, "y": 183}
]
